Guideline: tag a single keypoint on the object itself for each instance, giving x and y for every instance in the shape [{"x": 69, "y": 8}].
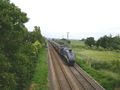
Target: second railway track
[{"x": 63, "y": 77}]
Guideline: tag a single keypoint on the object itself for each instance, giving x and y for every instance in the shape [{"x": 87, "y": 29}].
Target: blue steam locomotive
[{"x": 65, "y": 52}]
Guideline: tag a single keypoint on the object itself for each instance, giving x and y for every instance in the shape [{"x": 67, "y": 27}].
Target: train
[{"x": 67, "y": 53}]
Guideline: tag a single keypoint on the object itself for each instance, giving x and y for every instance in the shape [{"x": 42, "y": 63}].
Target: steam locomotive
[{"x": 65, "y": 52}]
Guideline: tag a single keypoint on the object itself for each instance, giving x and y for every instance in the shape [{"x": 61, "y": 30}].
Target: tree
[
  {"x": 90, "y": 41},
  {"x": 109, "y": 42},
  {"x": 116, "y": 42},
  {"x": 12, "y": 26},
  {"x": 103, "y": 42},
  {"x": 17, "y": 56},
  {"x": 11, "y": 37}
]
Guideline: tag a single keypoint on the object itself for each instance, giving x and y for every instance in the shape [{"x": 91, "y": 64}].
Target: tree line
[
  {"x": 19, "y": 48},
  {"x": 106, "y": 42}
]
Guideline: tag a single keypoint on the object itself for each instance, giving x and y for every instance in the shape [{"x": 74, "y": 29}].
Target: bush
[
  {"x": 113, "y": 66},
  {"x": 7, "y": 81},
  {"x": 106, "y": 80},
  {"x": 101, "y": 65}
]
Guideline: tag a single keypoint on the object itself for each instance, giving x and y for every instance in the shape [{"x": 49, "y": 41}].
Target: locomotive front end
[{"x": 71, "y": 57}]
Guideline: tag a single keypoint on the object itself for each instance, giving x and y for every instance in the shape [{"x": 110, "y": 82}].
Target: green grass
[
  {"x": 100, "y": 55},
  {"x": 39, "y": 80},
  {"x": 81, "y": 50},
  {"x": 103, "y": 65},
  {"x": 77, "y": 44}
]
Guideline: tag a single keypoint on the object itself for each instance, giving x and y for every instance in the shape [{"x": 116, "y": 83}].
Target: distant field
[
  {"x": 80, "y": 49},
  {"x": 77, "y": 42},
  {"x": 102, "y": 65},
  {"x": 100, "y": 55}
]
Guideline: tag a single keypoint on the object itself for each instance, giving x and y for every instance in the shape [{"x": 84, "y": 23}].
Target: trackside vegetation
[
  {"x": 102, "y": 64},
  {"x": 39, "y": 80},
  {"x": 19, "y": 48}
]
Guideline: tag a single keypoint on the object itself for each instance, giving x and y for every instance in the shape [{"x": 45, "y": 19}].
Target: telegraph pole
[{"x": 67, "y": 35}]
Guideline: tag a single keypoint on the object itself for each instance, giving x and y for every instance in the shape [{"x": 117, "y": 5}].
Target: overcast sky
[{"x": 82, "y": 18}]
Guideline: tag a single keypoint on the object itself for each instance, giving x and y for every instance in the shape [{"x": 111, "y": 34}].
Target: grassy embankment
[
  {"x": 39, "y": 81},
  {"x": 102, "y": 65}
]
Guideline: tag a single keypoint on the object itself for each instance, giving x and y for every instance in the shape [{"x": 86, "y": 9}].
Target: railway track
[{"x": 63, "y": 77}]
